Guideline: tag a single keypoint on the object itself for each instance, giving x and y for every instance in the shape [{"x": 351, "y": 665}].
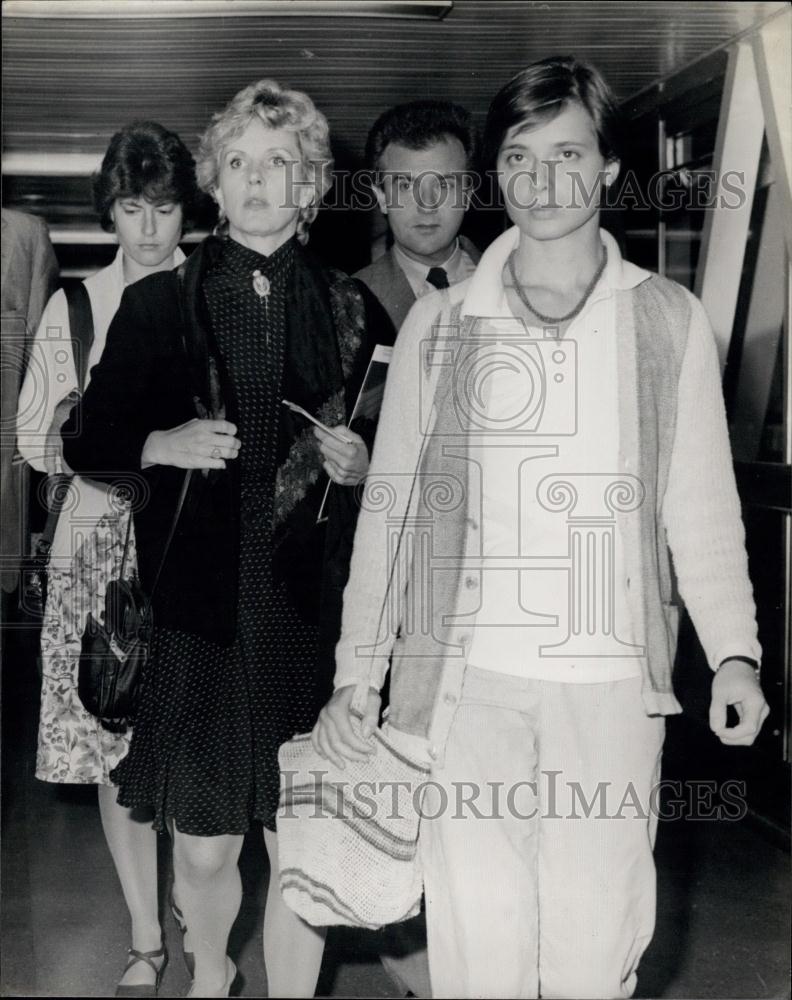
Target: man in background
[
  {"x": 421, "y": 155},
  {"x": 29, "y": 277}
]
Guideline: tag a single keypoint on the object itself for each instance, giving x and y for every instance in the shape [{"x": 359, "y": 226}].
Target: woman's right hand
[
  {"x": 198, "y": 444},
  {"x": 335, "y": 736}
]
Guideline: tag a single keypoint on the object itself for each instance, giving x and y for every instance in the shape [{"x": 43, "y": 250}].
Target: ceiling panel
[{"x": 69, "y": 83}]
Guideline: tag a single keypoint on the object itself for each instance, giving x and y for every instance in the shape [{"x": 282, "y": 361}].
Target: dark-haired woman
[
  {"x": 534, "y": 901},
  {"x": 144, "y": 193}
]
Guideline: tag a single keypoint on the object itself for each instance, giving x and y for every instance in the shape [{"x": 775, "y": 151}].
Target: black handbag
[{"x": 114, "y": 651}]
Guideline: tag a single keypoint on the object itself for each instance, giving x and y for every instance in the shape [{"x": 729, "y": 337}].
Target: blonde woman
[{"x": 251, "y": 319}]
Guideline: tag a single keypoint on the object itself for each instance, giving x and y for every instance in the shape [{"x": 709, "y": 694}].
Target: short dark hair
[
  {"x": 145, "y": 160},
  {"x": 541, "y": 91},
  {"x": 418, "y": 125}
]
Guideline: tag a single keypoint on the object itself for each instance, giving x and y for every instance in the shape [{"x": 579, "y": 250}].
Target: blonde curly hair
[{"x": 277, "y": 107}]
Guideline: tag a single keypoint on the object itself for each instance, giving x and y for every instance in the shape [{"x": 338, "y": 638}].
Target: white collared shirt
[
  {"x": 458, "y": 266},
  {"x": 50, "y": 377},
  {"x": 527, "y": 620}
]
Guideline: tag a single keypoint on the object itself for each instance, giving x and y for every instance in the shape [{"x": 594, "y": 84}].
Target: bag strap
[
  {"x": 171, "y": 533},
  {"x": 58, "y": 488},
  {"x": 126, "y": 546},
  {"x": 81, "y": 327}
]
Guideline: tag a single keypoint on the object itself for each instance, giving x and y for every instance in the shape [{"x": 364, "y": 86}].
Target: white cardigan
[{"x": 700, "y": 510}]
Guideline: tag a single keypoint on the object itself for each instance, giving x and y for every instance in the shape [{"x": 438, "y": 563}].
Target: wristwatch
[{"x": 743, "y": 659}]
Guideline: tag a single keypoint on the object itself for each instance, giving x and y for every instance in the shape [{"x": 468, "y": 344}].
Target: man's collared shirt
[{"x": 458, "y": 266}]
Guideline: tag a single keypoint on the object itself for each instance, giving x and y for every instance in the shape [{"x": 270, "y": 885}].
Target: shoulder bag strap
[
  {"x": 81, "y": 327},
  {"x": 171, "y": 533},
  {"x": 57, "y": 491}
]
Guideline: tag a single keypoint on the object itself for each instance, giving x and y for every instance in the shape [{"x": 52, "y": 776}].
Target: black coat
[{"x": 154, "y": 375}]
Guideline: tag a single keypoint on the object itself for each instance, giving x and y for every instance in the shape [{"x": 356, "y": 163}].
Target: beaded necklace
[{"x": 570, "y": 315}]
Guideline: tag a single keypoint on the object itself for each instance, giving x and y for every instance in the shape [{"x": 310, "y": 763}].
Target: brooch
[{"x": 262, "y": 288}]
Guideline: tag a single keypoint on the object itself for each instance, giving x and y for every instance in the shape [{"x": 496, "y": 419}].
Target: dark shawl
[{"x": 161, "y": 366}]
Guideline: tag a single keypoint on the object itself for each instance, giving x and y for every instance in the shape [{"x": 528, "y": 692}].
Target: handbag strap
[
  {"x": 81, "y": 328},
  {"x": 57, "y": 488},
  {"x": 126, "y": 546},
  {"x": 361, "y": 690},
  {"x": 81, "y": 331},
  {"x": 171, "y": 533},
  {"x": 360, "y": 694}
]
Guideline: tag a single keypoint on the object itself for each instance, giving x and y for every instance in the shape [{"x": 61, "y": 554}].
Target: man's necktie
[{"x": 437, "y": 277}]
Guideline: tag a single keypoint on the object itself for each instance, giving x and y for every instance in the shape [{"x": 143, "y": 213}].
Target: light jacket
[
  {"x": 673, "y": 442},
  {"x": 29, "y": 276}
]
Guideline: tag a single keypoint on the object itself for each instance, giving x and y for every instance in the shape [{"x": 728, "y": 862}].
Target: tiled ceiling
[{"x": 70, "y": 82}]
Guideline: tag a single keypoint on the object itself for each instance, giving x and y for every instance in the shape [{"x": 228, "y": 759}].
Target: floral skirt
[{"x": 73, "y": 746}]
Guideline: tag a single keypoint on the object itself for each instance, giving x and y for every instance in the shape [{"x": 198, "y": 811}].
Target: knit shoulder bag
[{"x": 348, "y": 839}]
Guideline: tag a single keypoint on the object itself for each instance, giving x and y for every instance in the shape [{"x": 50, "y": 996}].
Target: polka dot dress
[{"x": 205, "y": 744}]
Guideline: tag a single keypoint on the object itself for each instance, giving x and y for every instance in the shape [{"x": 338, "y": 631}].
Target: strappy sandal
[
  {"x": 143, "y": 989},
  {"x": 189, "y": 957}
]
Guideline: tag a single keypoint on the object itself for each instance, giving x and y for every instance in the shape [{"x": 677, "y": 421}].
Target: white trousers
[{"x": 537, "y": 840}]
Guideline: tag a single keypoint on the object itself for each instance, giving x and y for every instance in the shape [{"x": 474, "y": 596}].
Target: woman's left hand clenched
[
  {"x": 346, "y": 464},
  {"x": 736, "y": 683}
]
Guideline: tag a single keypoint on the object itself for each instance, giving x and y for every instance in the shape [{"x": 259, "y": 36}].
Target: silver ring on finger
[{"x": 216, "y": 453}]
